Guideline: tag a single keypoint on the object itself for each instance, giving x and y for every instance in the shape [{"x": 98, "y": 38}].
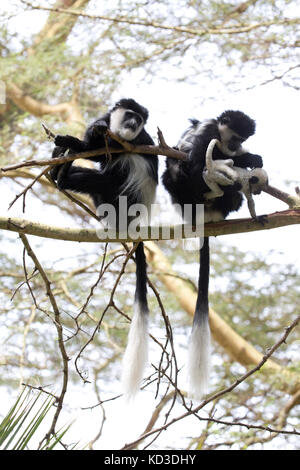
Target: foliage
[{"x": 23, "y": 421}]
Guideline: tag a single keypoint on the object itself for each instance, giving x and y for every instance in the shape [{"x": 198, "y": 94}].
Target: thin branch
[
  {"x": 293, "y": 201},
  {"x": 59, "y": 329},
  {"x": 179, "y": 29},
  {"x": 81, "y": 203},
  {"x": 24, "y": 192},
  {"x": 273, "y": 79},
  {"x": 171, "y": 359},
  {"x": 194, "y": 411},
  {"x": 110, "y": 303},
  {"x": 49, "y": 133},
  {"x": 294, "y": 401}
]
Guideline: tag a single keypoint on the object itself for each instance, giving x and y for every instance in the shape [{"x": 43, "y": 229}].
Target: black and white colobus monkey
[
  {"x": 131, "y": 175},
  {"x": 185, "y": 182}
]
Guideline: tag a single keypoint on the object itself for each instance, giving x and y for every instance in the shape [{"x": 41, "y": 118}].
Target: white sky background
[{"x": 276, "y": 111}]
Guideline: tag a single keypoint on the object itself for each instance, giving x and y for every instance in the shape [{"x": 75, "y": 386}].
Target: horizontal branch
[
  {"x": 227, "y": 227},
  {"x": 293, "y": 201},
  {"x": 162, "y": 149},
  {"x": 242, "y": 28}
]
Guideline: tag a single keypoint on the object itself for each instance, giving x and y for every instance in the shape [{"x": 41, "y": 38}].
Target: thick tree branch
[
  {"x": 69, "y": 110},
  {"x": 55, "y": 29},
  {"x": 227, "y": 227},
  {"x": 58, "y": 28}
]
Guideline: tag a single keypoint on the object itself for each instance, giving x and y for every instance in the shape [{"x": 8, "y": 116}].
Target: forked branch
[
  {"x": 293, "y": 201},
  {"x": 161, "y": 149}
]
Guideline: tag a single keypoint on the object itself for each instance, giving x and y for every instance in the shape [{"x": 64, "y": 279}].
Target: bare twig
[
  {"x": 193, "y": 411},
  {"x": 239, "y": 29},
  {"x": 293, "y": 201},
  {"x": 161, "y": 139},
  {"x": 59, "y": 329},
  {"x": 24, "y": 192},
  {"x": 110, "y": 303},
  {"x": 50, "y": 134}
]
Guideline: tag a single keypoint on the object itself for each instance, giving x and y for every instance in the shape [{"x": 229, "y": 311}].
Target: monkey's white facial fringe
[
  {"x": 199, "y": 360},
  {"x": 136, "y": 354}
]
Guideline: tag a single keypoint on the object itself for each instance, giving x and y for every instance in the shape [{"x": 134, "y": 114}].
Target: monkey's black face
[
  {"x": 126, "y": 123},
  {"x": 231, "y": 142},
  {"x": 235, "y": 143},
  {"x": 132, "y": 120}
]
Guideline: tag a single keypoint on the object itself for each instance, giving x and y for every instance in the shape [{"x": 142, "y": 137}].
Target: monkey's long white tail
[
  {"x": 199, "y": 360},
  {"x": 199, "y": 346},
  {"x": 136, "y": 354}
]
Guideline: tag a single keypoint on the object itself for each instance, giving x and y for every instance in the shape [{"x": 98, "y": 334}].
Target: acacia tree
[{"x": 87, "y": 300}]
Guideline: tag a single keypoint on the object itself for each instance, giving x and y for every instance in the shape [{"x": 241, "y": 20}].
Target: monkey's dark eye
[
  {"x": 225, "y": 120},
  {"x": 129, "y": 115},
  {"x": 234, "y": 143},
  {"x": 132, "y": 115}
]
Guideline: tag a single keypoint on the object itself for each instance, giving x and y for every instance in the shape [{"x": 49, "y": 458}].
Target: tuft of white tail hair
[
  {"x": 198, "y": 370},
  {"x": 136, "y": 353}
]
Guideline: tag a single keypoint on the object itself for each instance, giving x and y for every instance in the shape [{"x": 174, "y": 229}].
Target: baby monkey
[{"x": 222, "y": 172}]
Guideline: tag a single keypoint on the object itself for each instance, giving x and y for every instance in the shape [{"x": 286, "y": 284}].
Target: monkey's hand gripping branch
[
  {"x": 223, "y": 169},
  {"x": 125, "y": 147}
]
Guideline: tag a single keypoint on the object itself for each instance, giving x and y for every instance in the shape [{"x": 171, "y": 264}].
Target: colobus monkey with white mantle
[
  {"x": 131, "y": 175},
  {"x": 186, "y": 183}
]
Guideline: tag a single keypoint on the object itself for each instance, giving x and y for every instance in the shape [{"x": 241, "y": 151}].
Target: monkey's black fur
[
  {"x": 184, "y": 179},
  {"x": 109, "y": 182},
  {"x": 130, "y": 175},
  {"x": 185, "y": 183}
]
